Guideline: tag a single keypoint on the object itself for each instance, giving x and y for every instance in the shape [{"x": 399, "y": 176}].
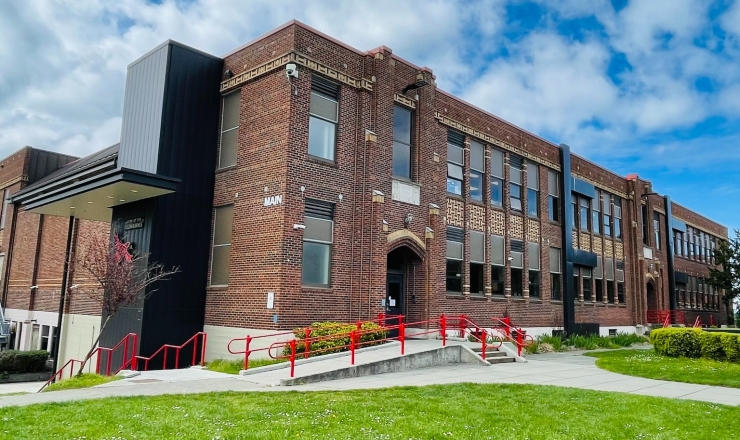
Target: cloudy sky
[{"x": 645, "y": 86}]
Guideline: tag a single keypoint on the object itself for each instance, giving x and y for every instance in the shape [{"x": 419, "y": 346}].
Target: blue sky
[{"x": 650, "y": 86}]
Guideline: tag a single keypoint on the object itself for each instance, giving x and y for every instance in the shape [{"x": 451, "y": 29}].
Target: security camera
[
  {"x": 291, "y": 70},
  {"x": 299, "y": 226}
]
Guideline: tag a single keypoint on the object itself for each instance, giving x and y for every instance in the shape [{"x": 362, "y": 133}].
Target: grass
[
  {"x": 230, "y": 366},
  {"x": 649, "y": 364},
  {"x": 460, "y": 411},
  {"x": 87, "y": 380}
]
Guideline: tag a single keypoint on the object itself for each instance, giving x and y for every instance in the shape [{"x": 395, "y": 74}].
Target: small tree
[
  {"x": 120, "y": 278},
  {"x": 725, "y": 276}
]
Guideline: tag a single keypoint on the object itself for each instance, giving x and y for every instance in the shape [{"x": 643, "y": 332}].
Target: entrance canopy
[{"x": 89, "y": 187}]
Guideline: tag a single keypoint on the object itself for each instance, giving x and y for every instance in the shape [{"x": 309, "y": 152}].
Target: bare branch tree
[{"x": 119, "y": 278}]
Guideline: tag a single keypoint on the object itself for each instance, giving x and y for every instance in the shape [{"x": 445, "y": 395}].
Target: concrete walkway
[{"x": 569, "y": 369}]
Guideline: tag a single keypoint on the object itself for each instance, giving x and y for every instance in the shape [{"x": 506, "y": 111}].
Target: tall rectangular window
[
  {"x": 656, "y": 229},
  {"x": 229, "y": 130},
  {"x": 609, "y": 275},
  {"x": 322, "y": 125},
  {"x": 599, "y": 279},
  {"x": 584, "y": 213},
  {"x": 454, "y": 259},
  {"x": 606, "y": 211},
  {"x": 477, "y": 170},
  {"x": 574, "y": 209},
  {"x": 618, "y": 217},
  {"x": 553, "y": 199},
  {"x": 221, "y": 251},
  {"x": 644, "y": 218},
  {"x": 477, "y": 262},
  {"x": 620, "y": 281},
  {"x": 533, "y": 251},
  {"x": 455, "y": 162},
  {"x": 586, "y": 274},
  {"x": 517, "y": 268},
  {"x": 533, "y": 190},
  {"x": 497, "y": 177},
  {"x": 596, "y": 214},
  {"x": 515, "y": 182},
  {"x": 402, "y": 150},
  {"x": 318, "y": 238},
  {"x": 555, "y": 273},
  {"x": 498, "y": 258}
]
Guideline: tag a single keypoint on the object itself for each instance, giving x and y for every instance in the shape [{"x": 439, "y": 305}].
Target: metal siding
[
  {"x": 583, "y": 188},
  {"x": 42, "y": 163},
  {"x": 142, "y": 112}
]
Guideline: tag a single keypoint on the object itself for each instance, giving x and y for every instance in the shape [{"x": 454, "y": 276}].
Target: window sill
[
  {"x": 478, "y": 296},
  {"x": 309, "y": 287},
  {"x": 478, "y": 202},
  {"x": 454, "y": 196},
  {"x": 498, "y": 297},
  {"x": 322, "y": 161},
  {"x": 556, "y": 301},
  {"x": 218, "y": 288},
  {"x": 457, "y": 295},
  {"x": 497, "y": 207},
  {"x": 225, "y": 169},
  {"x": 535, "y": 300},
  {"x": 517, "y": 298}
]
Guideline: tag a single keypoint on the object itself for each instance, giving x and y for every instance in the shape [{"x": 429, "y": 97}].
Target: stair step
[{"x": 500, "y": 360}]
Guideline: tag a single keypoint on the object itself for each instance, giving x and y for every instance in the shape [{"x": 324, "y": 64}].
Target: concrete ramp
[{"x": 451, "y": 354}]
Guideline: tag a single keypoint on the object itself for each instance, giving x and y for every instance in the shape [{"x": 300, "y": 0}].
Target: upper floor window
[
  {"x": 656, "y": 229},
  {"x": 555, "y": 272},
  {"x": 318, "y": 238},
  {"x": 497, "y": 177},
  {"x": 515, "y": 182},
  {"x": 533, "y": 190},
  {"x": 454, "y": 259},
  {"x": 553, "y": 189},
  {"x": 455, "y": 162},
  {"x": 221, "y": 251},
  {"x": 324, "y": 115},
  {"x": 596, "y": 214},
  {"x": 229, "y": 130},
  {"x": 606, "y": 211},
  {"x": 618, "y": 217},
  {"x": 477, "y": 169},
  {"x": 583, "y": 202}
]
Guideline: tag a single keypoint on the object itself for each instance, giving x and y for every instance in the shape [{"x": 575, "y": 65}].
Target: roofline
[
  {"x": 170, "y": 42},
  {"x": 702, "y": 216}
]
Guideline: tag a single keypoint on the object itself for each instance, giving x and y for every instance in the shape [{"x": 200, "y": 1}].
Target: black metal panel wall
[
  {"x": 142, "y": 110},
  {"x": 42, "y": 163}
]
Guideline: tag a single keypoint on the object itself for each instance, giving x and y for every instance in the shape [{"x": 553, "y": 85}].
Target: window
[
  {"x": 645, "y": 235},
  {"x": 555, "y": 273},
  {"x": 553, "y": 199},
  {"x": 656, "y": 229},
  {"x": 497, "y": 177},
  {"x": 497, "y": 265},
  {"x": 477, "y": 262},
  {"x": 455, "y": 162},
  {"x": 586, "y": 274},
  {"x": 515, "y": 182},
  {"x": 229, "y": 130},
  {"x": 517, "y": 268},
  {"x": 322, "y": 124},
  {"x": 45, "y": 337},
  {"x": 584, "y": 213},
  {"x": 620, "y": 282},
  {"x": 596, "y": 214},
  {"x": 574, "y": 205},
  {"x": 477, "y": 169},
  {"x": 454, "y": 259},
  {"x": 533, "y": 190},
  {"x": 609, "y": 275},
  {"x": 576, "y": 285},
  {"x": 221, "y": 253},
  {"x": 533, "y": 251},
  {"x": 606, "y": 211},
  {"x": 402, "y": 151},
  {"x": 598, "y": 279},
  {"x": 318, "y": 238},
  {"x": 618, "y": 217}
]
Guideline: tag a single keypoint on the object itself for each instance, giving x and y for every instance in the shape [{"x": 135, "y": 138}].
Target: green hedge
[
  {"x": 319, "y": 329},
  {"x": 14, "y": 361},
  {"x": 694, "y": 343}
]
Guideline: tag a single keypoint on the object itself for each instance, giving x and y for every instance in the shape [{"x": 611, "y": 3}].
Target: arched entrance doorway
[
  {"x": 402, "y": 280},
  {"x": 652, "y": 297}
]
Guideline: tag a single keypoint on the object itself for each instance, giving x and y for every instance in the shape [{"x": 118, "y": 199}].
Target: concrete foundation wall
[
  {"x": 219, "y": 337},
  {"x": 78, "y": 334}
]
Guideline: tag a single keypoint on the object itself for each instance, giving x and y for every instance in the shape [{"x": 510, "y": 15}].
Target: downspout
[
  {"x": 62, "y": 297},
  {"x": 569, "y": 308},
  {"x": 9, "y": 256}
]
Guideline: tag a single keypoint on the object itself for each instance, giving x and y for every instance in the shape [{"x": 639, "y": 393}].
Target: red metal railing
[
  {"x": 166, "y": 347},
  {"x": 667, "y": 317},
  {"x": 712, "y": 322},
  {"x": 130, "y": 340},
  {"x": 509, "y": 332},
  {"x": 697, "y": 322}
]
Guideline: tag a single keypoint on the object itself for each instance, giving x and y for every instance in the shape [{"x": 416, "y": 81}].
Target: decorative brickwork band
[
  {"x": 493, "y": 141},
  {"x": 477, "y": 218},
  {"x": 293, "y": 57},
  {"x": 455, "y": 213},
  {"x": 516, "y": 227},
  {"x": 498, "y": 223},
  {"x": 609, "y": 248},
  {"x": 619, "y": 250},
  {"x": 533, "y": 230},
  {"x": 585, "y": 242},
  {"x": 403, "y": 100}
]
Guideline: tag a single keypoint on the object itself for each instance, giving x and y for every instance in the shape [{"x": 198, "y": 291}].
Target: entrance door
[{"x": 394, "y": 300}]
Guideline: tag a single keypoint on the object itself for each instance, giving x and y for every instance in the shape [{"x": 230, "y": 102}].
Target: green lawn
[
  {"x": 234, "y": 366},
  {"x": 460, "y": 411},
  {"x": 647, "y": 363},
  {"x": 87, "y": 380}
]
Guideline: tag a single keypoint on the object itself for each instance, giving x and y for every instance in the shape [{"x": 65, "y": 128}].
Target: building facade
[{"x": 297, "y": 179}]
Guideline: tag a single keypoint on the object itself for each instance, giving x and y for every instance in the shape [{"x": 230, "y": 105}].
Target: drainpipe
[
  {"x": 62, "y": 296},
  {"x": 9, "y": 256}
]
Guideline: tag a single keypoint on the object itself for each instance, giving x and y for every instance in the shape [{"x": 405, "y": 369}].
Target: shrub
[
  {"x": 711, "y": 346},
  {"x": 627, "y": 339},
  {"x": 555, "y": 341},
  {"x": 329, "y": 340},
  {"x": 731, "y": 346},
  {"x": 14, "y": 361},
  {"x": 677, "y": 342}
]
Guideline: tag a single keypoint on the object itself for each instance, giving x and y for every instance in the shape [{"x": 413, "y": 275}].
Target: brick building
[{"x": 297, "y": 179}]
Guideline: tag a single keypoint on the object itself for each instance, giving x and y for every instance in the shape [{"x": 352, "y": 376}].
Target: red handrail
[
  {"x": 59, "y": 375},
  {"x": 712, "y": 322},
  {"x": 164, "y": 349},
  {"x": 521, "y": 340},
  {"x": 697, "y": 322}
]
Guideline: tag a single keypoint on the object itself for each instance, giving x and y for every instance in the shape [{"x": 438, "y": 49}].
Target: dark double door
[{"x": 394, "y": 299}]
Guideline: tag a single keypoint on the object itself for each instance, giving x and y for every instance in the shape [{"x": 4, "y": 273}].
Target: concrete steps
[{"x": 494, "y": 356}]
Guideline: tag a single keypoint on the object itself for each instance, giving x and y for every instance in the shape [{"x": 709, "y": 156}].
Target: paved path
[{"x": 561, "y": 369}]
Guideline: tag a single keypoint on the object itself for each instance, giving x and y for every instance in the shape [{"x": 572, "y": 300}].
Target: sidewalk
[{"x": 569, "y": 369}]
